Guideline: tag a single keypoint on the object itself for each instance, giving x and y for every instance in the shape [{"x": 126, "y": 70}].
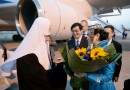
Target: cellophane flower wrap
[
  {"x": 87, "y": 60},
  {"x": 83, "y": 60}
]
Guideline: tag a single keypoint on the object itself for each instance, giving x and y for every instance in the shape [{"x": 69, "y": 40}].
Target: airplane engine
[{"x": 61, "y": 13}]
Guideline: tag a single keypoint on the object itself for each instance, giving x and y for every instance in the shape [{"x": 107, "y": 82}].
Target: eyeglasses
[{"x": 75, "y": 30}]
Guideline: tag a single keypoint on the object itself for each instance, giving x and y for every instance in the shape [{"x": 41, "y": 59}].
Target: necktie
[{"x": 77, "y": 44}]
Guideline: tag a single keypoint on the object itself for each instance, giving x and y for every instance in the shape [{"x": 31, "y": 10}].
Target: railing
[{"x": 103, "y": 22}]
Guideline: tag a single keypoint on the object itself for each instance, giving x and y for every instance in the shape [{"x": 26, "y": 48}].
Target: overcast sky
[{"x": 117, "y": 21}]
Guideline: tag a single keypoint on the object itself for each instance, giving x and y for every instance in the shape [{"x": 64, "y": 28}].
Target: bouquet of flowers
[
  {"x": 87, "y": 60},
  {"x": 83, "y": 60}
]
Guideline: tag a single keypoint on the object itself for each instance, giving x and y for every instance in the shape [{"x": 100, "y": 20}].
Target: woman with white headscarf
[{"x": 31, "y": 58}]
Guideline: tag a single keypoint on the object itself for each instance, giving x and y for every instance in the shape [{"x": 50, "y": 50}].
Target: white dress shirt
[{"x": 79, "y": 40}]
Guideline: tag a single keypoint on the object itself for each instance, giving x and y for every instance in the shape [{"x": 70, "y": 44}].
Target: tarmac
[{"x": 6, "y": 38}]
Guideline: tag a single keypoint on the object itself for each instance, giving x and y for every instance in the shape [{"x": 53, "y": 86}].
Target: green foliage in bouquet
[{"x": 77, "y": 63}]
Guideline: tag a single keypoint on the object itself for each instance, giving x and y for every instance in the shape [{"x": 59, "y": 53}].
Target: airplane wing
[{"x": 106, "y": 6}]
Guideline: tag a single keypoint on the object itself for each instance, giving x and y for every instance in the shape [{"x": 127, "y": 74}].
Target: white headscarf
[{"x": 34, "y": 42}]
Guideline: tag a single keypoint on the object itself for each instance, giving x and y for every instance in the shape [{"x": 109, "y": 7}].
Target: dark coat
[
  {"x": 118, "y": 48},
  {"x": 33, "y": 76}
]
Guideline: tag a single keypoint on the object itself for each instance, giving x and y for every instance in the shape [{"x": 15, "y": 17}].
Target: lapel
[
  {"x": 84, "y": 42},
  {"x": 117, "y": 46},
  {"x": 112, "y": 41},
  {"x": 71, "y": 44}
]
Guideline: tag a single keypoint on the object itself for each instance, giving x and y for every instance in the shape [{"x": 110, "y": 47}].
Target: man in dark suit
[
  {"x": 76, "y": 30},
  {"x": 78, "y": 41},
  {"x": 118, "y": 47}
]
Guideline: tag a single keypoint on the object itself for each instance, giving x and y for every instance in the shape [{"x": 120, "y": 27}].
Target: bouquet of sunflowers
[{"x": 87, "y": 60}]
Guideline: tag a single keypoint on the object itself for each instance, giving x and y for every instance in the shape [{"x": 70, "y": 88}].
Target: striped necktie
[{"x": 77, "y": 44}]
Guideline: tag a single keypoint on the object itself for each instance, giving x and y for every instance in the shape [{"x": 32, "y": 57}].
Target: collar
[
  {"x": 86, "y": 32},
  {"x": 110, "y": 41}
]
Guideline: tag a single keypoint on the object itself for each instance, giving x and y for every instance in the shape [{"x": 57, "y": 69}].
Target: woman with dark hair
[
  {"x": 102, "y": 79},
  {"x": 99, "y": 35}
]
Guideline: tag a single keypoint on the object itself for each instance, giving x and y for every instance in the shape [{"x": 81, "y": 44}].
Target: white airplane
[
  {"x": 7, "y": 15},
  {"x": 20, "y": 14}
]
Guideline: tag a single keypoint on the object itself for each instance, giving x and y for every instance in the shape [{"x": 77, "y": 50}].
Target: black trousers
[
  {"x": 127, "y": 84},
  {"x": 33, "y": 76}
]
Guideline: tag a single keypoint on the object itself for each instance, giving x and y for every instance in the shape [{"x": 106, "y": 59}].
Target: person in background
[
  {"x": 84, "y": 23},
  {"x": 86, "y": 32},
  {"x": 34, "y": 62},
  {"x": 124, "y": 34},
  {"x": 110, "y": 30},
  {"x": 78, "y": 41}
]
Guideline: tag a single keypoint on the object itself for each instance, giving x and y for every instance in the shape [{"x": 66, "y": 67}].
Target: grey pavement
[{"x": 6, "y": 38}]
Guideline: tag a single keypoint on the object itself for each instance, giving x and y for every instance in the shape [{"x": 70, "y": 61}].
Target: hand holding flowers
[
  {"x": 80, "y": 75},
  {"x": 84, "y": 60}
]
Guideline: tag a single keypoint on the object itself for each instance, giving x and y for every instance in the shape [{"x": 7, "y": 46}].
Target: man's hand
[
  {"x": 80, "y": 75},
  {"x": 116, "y": 79}
]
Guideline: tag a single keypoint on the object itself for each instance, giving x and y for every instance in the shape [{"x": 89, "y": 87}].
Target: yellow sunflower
[
  {"x": 102, "y": 52},
  {"x": 96, "y": 52},
  {"x": 81, "y": 52}
]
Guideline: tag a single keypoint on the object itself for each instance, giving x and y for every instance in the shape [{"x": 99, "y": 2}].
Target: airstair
[{"x": 103, "y": 23}]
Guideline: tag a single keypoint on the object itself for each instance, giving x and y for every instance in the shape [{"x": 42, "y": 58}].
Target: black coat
[
  {"x": 33, "y": 76},
  {"x": 118, "y": 48}
]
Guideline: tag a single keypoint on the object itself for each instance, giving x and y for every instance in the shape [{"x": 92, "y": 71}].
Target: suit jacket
[
  {"x": 83, "y": 43},
  {"x": 118, "y": 48}
]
